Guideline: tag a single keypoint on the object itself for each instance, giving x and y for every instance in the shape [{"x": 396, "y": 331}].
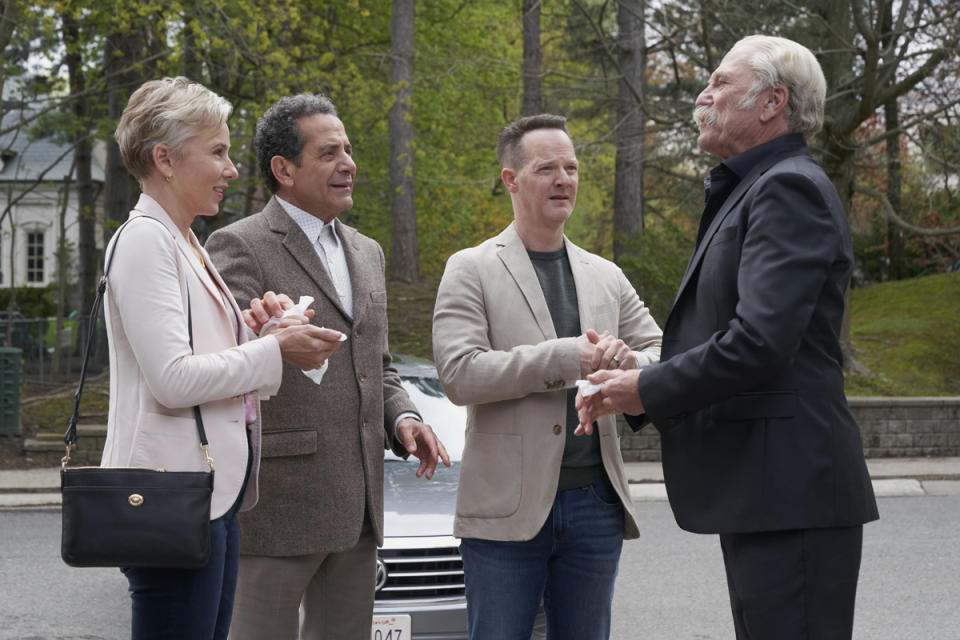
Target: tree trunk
[
  {"x": 9, "y": 19},
  {"x": 891, "y": 112},
  {"x": 895, "y": 239},
  {"x": 12, "y": 300},
  {"x": 89, "y": 259},
  {"x": 628, "y": 187},
  {"x": 532, "y": 95},
  {"x": 63, "y": 267},
  {"x": 120, "y": 189},
  {"x": 405, "y": 252}
]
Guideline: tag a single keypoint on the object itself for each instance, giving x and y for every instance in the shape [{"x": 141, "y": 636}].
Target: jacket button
[{"x": 557, "y": 429}]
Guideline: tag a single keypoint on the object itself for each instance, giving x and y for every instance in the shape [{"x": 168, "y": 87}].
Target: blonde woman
[{"x": 178, "y": 340}]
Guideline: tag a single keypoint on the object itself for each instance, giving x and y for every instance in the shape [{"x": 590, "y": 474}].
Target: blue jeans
[
  {"x": 571, "y": 565},
  {"x": 189, "y": 604}
]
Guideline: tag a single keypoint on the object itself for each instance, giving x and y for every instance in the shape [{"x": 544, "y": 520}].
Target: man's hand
[
  {"x": 420, "y": 440},
  {"x": 610, "y": 352},
  {"x": 272, "y": 305},
  {"x": 618, "y": 394},
  {"x": 587, "y": 349}
]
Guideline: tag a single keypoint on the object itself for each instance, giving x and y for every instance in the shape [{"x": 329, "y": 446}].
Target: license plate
[{"x": 391, "y": 627}]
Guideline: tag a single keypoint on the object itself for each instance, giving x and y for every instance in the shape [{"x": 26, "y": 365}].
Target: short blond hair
[{"x": 167, "y": 111}]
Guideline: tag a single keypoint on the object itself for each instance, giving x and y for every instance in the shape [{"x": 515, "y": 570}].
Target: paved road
[{"x": 671, "y": 584}]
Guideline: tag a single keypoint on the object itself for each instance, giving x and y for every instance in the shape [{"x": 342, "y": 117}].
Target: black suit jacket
[{"x": 748, "y": 397}]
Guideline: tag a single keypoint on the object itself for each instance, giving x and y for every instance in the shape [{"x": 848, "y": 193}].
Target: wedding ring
[{"x": 616, "y": 359}]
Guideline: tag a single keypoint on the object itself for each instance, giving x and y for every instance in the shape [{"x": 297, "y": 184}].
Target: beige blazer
[
  {"x": 155, "y": 379},
  {"x": 322, "y": 470},
  {"x": 497, "y": 352}
]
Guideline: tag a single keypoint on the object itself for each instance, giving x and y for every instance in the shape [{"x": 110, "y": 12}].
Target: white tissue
[
  {"x": 299, "y": 309},
  {"x": 588, "y": 388}
]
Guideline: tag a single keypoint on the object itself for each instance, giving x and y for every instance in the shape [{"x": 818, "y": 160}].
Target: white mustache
[{"x": 705, "y": 116}]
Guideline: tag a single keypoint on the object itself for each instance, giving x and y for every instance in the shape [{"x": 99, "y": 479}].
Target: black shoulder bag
[{"x": 123, "y": 517}]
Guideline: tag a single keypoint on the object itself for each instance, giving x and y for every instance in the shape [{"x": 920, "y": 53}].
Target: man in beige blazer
[
  {"x": 313, "y": 536},
  {"x": 542, "y": 512}
]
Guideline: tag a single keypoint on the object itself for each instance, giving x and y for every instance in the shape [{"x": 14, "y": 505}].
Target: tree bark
[
  {"x": 120, "y": 189},
  {"x": 63, "y": 266},
  {"x": 532, "y": 92},
  {"x": 895, "y": 239},
  {"x": 404, "y": 252},
  {"x": 628, "y": 201},
  {"x": 9, "y": 18},
  {"x": 89, "y": 259},
  {"x": 891, "y": 112}
]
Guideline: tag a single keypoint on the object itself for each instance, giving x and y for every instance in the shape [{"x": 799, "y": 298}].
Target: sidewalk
[{"x": 892, "y": 477}]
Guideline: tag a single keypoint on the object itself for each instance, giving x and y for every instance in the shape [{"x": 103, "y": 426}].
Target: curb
[
  {"x": 891, "y": 478},
  {"x": 882, "y": 488}
]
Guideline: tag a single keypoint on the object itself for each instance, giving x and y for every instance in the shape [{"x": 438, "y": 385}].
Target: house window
[{"x": 35, "y": 256}]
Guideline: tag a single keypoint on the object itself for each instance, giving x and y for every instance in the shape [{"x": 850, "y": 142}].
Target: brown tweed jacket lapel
[{"x": 302, "y": 250}]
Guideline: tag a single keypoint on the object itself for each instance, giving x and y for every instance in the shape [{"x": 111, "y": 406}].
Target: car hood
[{"x": 415, "y": 506}]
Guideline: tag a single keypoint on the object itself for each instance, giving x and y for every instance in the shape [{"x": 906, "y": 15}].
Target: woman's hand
[
  {"x": 272, "y": 305},
  {"x": 305, "y": 346}
]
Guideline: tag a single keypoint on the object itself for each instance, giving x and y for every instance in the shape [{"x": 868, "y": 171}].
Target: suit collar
[
  {"x": 515, "y": 258},
  {"x": 743, "y": 163},
  {"x": 779, "y": 150},
  {"x": 584, "y": 277},
  {"x": 301, "y": 248},
  {"x": 147, "y": 206}
]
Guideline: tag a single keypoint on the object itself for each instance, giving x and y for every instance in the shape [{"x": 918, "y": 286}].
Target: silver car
[
  {"x": 420, "y": 589},
  {"x": 419, "y": 571}
]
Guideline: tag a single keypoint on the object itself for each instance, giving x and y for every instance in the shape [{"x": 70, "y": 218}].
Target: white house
[{"x": 32, "y": 176}]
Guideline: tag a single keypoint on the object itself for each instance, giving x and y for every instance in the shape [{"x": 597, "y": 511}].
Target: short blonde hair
[
  {"x": 782, "y": 61},
  {"x": 168, "y": 111}
]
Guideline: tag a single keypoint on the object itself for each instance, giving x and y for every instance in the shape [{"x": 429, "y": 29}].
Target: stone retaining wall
[{"x": 890, "y": 428}]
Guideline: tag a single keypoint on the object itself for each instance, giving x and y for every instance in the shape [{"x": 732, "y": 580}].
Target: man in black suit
[{"x": 758, "y": 442}]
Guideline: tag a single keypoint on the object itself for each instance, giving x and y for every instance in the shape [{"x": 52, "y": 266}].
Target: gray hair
[
  {"x": 788, "y": 63},
  {"x": 167, "y": 111},
  {"x": 279, "y": 135}
]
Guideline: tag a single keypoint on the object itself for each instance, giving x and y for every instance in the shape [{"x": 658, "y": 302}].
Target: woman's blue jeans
[
  {"x": 571, "y": 565},
  {"x": 189, "y": 604}
]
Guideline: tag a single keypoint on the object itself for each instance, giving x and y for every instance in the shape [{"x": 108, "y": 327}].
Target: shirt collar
[
  {"x": 310, "y": 225},
  {"x": 744, "y": 162}
]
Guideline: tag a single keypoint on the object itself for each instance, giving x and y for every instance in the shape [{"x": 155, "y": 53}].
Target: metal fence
[{"x": 37, "y": 340}]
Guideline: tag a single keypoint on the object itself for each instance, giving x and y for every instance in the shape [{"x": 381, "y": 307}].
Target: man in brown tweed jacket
[{"x": 312, "y": 538}]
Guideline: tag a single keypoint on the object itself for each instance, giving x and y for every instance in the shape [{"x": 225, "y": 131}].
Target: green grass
[
  {"x": 47, "y": 407},
  {"x": 908, "y": 334}
]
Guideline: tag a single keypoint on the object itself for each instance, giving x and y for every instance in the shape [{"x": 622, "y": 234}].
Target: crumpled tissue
[
  {"x": 587, "y": 388},
  {"x": 299, "y": 309}
]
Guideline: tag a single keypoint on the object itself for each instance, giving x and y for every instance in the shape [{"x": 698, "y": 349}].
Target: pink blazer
[{"x": 155, "y": 379}]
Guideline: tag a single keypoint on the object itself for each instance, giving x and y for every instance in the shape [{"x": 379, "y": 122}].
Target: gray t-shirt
[{"x": 582, "y": 463}]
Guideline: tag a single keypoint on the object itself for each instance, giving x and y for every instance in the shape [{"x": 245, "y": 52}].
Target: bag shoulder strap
[{"x": 70, "y": 437}]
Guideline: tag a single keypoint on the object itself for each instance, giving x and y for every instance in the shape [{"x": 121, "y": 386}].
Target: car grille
[{"x": 413, "y": 574}]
